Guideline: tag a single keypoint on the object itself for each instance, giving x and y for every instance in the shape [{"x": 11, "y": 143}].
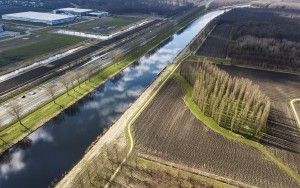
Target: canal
[{"x": 57, "y": 146}]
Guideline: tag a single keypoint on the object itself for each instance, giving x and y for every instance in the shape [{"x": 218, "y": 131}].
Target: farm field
[
  {"x": 248, "y": 42},
  {"x": 104, "y": 25},
  {"x": 167, "y": 129},
  {"x": 214, "y": 46},
  {"x": 282, "y": 130}
]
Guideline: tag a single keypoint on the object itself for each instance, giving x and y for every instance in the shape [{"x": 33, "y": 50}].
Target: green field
[
  {"x": 35, "y": 46},
  {"x": 103, "y": 25}
]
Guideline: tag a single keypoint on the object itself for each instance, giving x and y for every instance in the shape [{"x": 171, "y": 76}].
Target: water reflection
[
  {"x": 153, "y": 51},
  {"x": 14, "y": 163},
  {"x": 58, "y": 145}
]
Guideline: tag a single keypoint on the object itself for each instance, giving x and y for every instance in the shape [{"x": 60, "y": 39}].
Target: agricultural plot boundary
[
  {"x": 292, "y": 103},
  {"x": 231, "y": 136},
  {"x": 210, "y": 123}
]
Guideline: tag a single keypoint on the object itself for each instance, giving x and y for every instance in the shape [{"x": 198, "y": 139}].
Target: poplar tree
[{"x": 234, "y": 103}]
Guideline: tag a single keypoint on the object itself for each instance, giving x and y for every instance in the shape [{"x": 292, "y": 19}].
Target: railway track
[{"x": 34, "y": 74}]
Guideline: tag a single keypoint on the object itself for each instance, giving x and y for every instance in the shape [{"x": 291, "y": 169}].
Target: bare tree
[
  {"x": 77, "y": 77},
  {"x": 51, "y": 90},
  {"x": 15, "y": 109},
  {"x": 65, "y": 82}
]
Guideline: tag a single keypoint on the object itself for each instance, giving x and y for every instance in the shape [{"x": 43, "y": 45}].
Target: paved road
[{"x": 24, "y": 78}]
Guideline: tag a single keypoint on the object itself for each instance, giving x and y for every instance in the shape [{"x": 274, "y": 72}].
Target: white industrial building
[
  {"x": 39, "y": 17},
  {"x": 2, "y": 28},
  {"x": 73, "y": 11},
  {"x": 99, "y": 14}
]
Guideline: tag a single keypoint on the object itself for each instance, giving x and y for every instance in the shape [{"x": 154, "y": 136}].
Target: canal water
[{"x": 57, "y": 146}]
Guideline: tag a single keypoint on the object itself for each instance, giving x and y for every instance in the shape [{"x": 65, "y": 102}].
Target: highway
[{"x": 24, "y": 78}]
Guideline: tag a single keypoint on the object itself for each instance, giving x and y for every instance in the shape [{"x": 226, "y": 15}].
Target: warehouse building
[
  {"x": 99, "y": 14},
  {"x": 2, "y": 29},
  {"x": 73, "y": 11},
  {"x": 39, "y": 17}
]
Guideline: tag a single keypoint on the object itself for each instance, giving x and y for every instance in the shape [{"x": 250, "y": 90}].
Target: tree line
[
  {"x": 263, "y": 23},
  {"x": 234, "y": 103},
  {"x": 265, "y": 52}
]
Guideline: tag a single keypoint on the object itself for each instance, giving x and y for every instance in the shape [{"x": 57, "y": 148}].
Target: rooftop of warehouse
[{"x": 39, "y": 15}]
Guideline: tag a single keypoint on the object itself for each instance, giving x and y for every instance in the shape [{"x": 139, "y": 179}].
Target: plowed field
[
  {"x": 282, "y": 132},
  {"x": 167, "y": 129}
]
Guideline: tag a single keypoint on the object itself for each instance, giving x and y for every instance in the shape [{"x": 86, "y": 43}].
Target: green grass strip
[{"x": 209, "y": 122}]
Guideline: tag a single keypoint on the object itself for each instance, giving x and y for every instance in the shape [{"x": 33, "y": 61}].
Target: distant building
[
  {"x": 39, "y": 17},
  {"x": 73, "y": 11},
  {"x": 2, "y": 29},
  {"x": 99, "y": 14}
]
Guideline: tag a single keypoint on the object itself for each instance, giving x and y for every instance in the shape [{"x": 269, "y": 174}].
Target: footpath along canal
[{"x": 59, "y": 144}]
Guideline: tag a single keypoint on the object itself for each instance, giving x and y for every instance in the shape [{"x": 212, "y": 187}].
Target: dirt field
[
  {"x": 214, "y": 46},
  {"x": 167, "y": 129}
]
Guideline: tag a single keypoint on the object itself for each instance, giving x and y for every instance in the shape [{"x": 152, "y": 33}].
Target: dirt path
[{"x": 292, "y": 103}]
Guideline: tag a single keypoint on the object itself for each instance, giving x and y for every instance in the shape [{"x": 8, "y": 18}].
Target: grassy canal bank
[{"x": 15, "y": 132}]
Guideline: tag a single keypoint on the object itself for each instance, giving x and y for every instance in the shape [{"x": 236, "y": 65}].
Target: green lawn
[
  {"x": 103, "y": 25},
  {"x": 209, "y": 122}
]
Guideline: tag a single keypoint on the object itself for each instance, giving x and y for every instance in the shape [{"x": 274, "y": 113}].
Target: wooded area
[
  {"x": 265, "y": 52},
  {"x": 234, "y": 103},
  {"x": 257, "y": 37}
]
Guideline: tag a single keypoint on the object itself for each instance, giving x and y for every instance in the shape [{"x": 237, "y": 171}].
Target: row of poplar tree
[{"x": 234, "y": 103}]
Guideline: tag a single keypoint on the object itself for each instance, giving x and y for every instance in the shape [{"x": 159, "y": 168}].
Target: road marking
[{"x": 295, "y": 111}]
